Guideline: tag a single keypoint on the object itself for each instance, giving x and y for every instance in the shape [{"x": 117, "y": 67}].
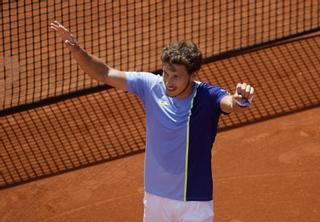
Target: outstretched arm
[
  {"x": 90, "y": 64},
  {"x": 240, "y": 101}
]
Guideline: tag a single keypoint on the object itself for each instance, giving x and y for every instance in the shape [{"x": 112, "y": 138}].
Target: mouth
[{"x": 170, "y": 89}]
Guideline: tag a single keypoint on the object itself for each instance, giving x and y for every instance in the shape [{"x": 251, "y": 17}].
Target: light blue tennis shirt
[{"x": 180, "y": 134}]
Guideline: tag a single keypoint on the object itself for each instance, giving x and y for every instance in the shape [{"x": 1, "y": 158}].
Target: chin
[{"x": 170, "y": 94}]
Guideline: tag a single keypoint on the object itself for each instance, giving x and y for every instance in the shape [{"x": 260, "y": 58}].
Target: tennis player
[{"x": 182, "y": 117}]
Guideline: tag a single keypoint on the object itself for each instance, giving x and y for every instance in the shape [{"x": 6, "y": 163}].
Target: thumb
[
  {"x": 237, "y": 96},
  {"x": 69, "y": 44}
]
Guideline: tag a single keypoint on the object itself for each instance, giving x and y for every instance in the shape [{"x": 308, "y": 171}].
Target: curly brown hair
[{"x": 183, "y": 53}]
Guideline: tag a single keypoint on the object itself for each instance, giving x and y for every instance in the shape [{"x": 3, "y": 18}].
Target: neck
[{"x": 187, "y": 91}]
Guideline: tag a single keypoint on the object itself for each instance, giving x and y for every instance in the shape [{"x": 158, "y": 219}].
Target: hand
[
  {"x": 64, "y": 34},
  {"x": 244, "y": 94}
]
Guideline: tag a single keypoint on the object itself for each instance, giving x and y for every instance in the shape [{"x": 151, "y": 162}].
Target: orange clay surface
[{"x": 264, "y": 172}]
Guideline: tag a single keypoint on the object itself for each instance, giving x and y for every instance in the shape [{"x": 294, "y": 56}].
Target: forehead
[{"x": 174, "y": 68}]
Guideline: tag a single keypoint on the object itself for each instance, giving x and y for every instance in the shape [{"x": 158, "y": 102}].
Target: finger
[
  {"x": 243, "y": 88},
  {"x": 69, "y": 44},
  {"x": 54, "y": 25},
  {"x": 237, "y": 97},
  {"x": 251, "y": 93},
  {"x": 57, "y": 23},
  {"x": 54, "y": 28},
  {"x": 247, "y": 91},
  {"x": 238, "y": 89}
]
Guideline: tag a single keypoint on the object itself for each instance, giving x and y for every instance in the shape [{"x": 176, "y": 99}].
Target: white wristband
[{"x": 244, "y": 102}]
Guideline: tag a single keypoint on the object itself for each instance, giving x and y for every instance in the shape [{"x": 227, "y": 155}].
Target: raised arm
[
  {"x": 90, "y": 64},
  {"x": 240, "y": 101}
]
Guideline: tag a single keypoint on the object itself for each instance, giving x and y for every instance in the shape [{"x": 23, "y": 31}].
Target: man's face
[{"x": 177, "y": 81}]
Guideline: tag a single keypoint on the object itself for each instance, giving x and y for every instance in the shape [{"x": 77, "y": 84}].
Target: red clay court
[{"x": 267, "y": 171}]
